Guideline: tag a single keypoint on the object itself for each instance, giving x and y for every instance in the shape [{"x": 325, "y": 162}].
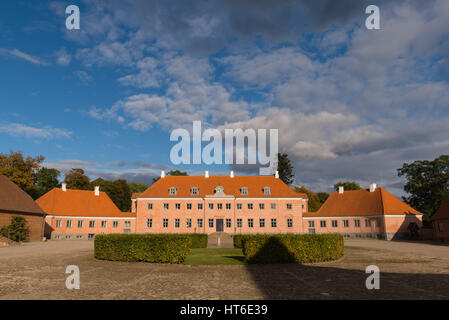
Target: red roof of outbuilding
[
  {"x": 12, "y": 198},
  {"x": 79, "y": 203},
  {"x": 442, "y": 212}
]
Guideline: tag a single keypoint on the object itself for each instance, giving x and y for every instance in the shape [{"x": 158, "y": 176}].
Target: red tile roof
[
  {"x": 206, "y": 186},
  {"x": 442, "y": 212},
  {"x": 362, "y": 203},
  {"x": 12, "y": 198},
  {"x": 79, "y": 203}
]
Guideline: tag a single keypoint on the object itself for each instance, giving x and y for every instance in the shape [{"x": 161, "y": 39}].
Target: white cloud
[
  {"x": 22, "y": 55},
  {"x": 47, "y": 132}
]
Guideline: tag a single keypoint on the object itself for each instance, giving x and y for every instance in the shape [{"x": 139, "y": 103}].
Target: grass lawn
[{"x": 212, "y": 256}]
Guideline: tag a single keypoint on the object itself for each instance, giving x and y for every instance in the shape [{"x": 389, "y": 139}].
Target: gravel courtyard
[{"x": 408, "y": 271}]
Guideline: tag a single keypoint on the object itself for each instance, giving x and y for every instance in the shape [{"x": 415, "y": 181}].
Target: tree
[
  {"x": 314, "y": 201},
  {"x": 118, "y": 191},
  {"x": 427, "y": 184},
  {"x": 285, "y": 168},
  {"x": 76, "y": 179},
  {"x": 323, "y": 197},
  {"x": 46, "y": 180},
  {"x": 17, "y": 230},
  {"x": 172, "y": 173},
  {"x": 22, "y": 171},
  {"x": 135, "y": 187},
  {"x": 348, "y": 185}
]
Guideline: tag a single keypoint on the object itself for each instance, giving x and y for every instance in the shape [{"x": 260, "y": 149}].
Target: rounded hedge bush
[
  {"x": 156, "y": 248},
  {"x": 292, "y": 248}
]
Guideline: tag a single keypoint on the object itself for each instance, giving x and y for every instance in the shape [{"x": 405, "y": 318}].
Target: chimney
[
  {"x": 64, "y": 187},
  {"x": 97, "y": 191},
  {"x": 232, "y": 174},
  {"x": 276, "y": 175},
  {"x": 206, "y": 174},
  {"x": 341, "y": 189},
  {"x": 372, "y": 187},
  {"x": 162, "y": 174}
]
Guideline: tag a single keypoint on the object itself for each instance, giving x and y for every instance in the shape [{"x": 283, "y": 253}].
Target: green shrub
[
  {"x": 17, "y": 230},
  {"x": 292, "y": 248},
  {"x": 238, "y": 240},
  {"x": 156, "y": 248},
  {"x": 198, "y": 240}
]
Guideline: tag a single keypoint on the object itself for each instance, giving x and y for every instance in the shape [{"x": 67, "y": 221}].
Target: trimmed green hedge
[
  {"x": 157, "y": 248},
  {"x": 198, "y": 240},
  {"x": 292, "y": 248},
  {"x": 238, "y": 240}
]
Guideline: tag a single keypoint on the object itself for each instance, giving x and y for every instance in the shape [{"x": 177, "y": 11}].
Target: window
[
  {"x": 323, "y": 223},
  {"x": 261, "y": 206},
  {"x": 166, "y": 206},
  {"x": 219, "y": 206},
  {"x": 149, "y": 223},
  {"x": 239, "y": 223},
  {"x": 80, "y": 223},
  {"x": 177, "y": 206},
  {"x": 377, "y": 223},
  {"x": 211, "y": 223},
  {"x": 289, "y": 206},
  {"x": 115, "y": 224},
  {"x": 266, "y": 191},
  {"x": 250, "y": 206},
  {"x": 250, "y": 223},
  {"x": 91, "y": 224},
  {"x": 69, "y": 223},
  {"x": 290, "y": 223},
  {"x": 104, "y": 224},
  {"x": 194, "y": 191},
  {"x": 239, "y": 206},
  {"x": 199, "y": 223},
  {"x": 244, "y": 191},
  {"x": 273, "y": 223},
  {"x": 200, "y": 206},
  {"x": 172, "y": 191},
  {"x": 334, "y": 223},
  {"x": 262, "y": 223},
  {"x": 228, "y": 206},
  {"x": 211, "y": 206},
  {"x": 367, "y": 223},
  {"x": 228, "y": 223},
  {"x": 150, "y": 206},
  {"x": 357, "y": 223},
  {"x": 189, "y": 223},
  {"x": 127, "y": 224},
  {"x": 346, "y": 223},
  {"x": 273, "y": 206},
  {"x": 58, "y": 223},
  {"x": 176, "y": 223},
  {"x": 165, "y": 223},
  {"x": 311, "y": 224},
  {"x": 189, "y": 206}
]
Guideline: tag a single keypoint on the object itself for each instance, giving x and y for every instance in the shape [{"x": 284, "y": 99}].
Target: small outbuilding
[
  {"x": 16, "y": 202},
  {"x": 440, "y": 222}
]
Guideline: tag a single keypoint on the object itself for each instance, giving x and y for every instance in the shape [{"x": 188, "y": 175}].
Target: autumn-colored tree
[
  {"x": 314, "y": 202},
  {"x": 76, "y": 179},
  {"x": 22, "y": 171}
]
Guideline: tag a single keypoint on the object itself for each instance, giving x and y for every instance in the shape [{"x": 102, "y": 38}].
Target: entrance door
[{"x": 219, "y": 225}]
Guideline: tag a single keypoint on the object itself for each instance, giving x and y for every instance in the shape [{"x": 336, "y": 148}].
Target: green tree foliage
[
  {"x": 17, "y": 230},
  {"x": 117, "y": 190},
  {"x": 427, "y": 184},
  {"x": 135, "y": 187},
  {"x": 172, "y": 173},
  {"x": 22, "y": 171},
  {"x": 76, "y": 179},
  {"x": 46, "y": 180},
  {"x": 323, "y": 197},
  {"x": 314, "y": 201},
  {"x": 348, "y": 185},
  {"x": 285, "y": 168}
]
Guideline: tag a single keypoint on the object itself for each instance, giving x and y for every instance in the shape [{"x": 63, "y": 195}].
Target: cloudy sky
[{"x": 349, "y": 103}]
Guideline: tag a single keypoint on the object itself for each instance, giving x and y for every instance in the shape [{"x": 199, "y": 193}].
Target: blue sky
[{"x": 349, "y": 103}]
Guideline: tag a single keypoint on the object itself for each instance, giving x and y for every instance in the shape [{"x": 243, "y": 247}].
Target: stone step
[{"x": 220, "y": 240}]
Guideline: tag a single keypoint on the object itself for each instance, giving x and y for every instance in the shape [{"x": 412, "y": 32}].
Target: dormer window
[
  {"x": 172, "y": 191},
  {"x": 244, "y": 191},
  {"x": 266, "y": 191},
  {"x": 194, "y": 191}
]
